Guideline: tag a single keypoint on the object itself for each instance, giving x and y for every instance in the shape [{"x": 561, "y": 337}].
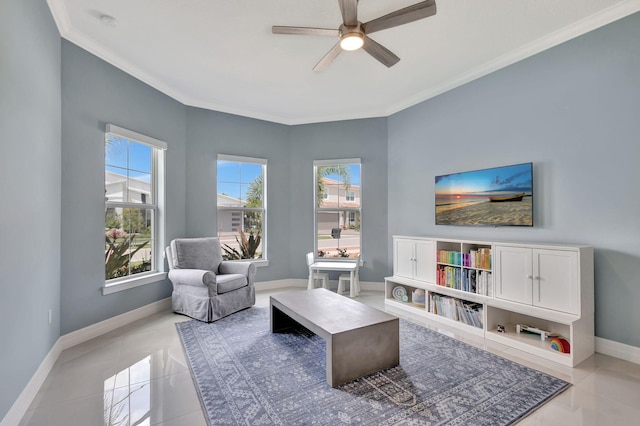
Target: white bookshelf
[{"x": 547, "y": 286}]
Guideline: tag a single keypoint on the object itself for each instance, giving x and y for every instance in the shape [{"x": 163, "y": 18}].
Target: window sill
[
  {"x": 259, "y": 263},
  {"x": 128, "y": 283}
]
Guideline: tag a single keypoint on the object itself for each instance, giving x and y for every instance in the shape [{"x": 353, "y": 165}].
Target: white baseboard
[
  {"x": 21, "y": 405},
  {"x": 98, "y": 329},
  {"x": 302, "y": 283},
  {"x": 276, "y": 284},
  {"x": 371, "y": 285},
  {"x": 618, "y": 350}
]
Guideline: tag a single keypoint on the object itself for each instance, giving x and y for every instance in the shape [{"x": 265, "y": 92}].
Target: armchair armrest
[
  {"x": 248, "y": 269},
  {"x": 193, "y": 277}
]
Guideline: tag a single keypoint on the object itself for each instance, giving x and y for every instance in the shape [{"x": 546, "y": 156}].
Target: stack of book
[
  {"x": 480, "y": 259},
  {"x": 450, "y": 257},
  {"x": 470, "y": 280},
  {"x": 448, "y": 276},
  {"x": 456, "y": 309}
]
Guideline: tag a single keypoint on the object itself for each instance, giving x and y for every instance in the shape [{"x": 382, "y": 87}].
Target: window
[
  {"x": 134, "y": 197},
  {"x": 242, "y": 207},
  {"x": 338, "y": 208}
]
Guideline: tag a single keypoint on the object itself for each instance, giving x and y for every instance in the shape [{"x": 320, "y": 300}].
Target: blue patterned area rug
[{"x": 245, "y": 375}]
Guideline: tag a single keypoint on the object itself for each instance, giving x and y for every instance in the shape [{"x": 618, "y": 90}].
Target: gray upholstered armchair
[{"x": 205, "y": 287}]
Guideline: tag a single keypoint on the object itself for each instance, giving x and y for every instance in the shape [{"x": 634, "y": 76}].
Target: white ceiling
[{"x": 221, "y": 54}]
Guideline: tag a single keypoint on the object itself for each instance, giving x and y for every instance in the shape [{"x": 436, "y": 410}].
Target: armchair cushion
[
  {"x": 196, "y": 253},
  {"x": 230, "y": 282}
]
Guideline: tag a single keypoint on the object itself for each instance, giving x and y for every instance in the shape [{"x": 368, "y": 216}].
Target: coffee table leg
[{"x": 362, "y": 351}]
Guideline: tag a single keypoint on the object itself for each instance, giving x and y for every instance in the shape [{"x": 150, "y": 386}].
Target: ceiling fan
[{"x": 354, "y": 34}]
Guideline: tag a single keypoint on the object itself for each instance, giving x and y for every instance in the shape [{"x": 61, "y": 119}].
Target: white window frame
[
  {"x": 158, "y": 171},
  {"x": 264, "y": 261},
  {"x": 316, "y": 208}
]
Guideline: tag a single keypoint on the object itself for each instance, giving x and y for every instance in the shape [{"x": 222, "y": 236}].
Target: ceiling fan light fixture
[{"x": 351, "y": 41}]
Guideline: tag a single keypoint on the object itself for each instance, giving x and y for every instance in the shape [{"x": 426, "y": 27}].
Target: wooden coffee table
[{"x": 360, "y": 339}]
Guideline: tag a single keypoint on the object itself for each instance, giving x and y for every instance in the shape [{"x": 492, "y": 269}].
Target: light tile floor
[{"x": 139, "y": 372}]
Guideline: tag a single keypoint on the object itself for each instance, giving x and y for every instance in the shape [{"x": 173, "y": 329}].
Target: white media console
[{"x": 489, "y": 288}]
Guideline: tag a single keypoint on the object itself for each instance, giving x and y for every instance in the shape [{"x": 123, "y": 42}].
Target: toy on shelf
[
  {"x": 544, "y": 334},
  {"x": 418, "y": 297},
  {"x": 561, "y": 345}
]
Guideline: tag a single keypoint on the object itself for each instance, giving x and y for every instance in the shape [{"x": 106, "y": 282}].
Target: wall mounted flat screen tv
[{"x": 500, "y": 196}]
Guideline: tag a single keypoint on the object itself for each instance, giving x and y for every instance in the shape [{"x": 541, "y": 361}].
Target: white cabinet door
[
  {"x": 513, "y": 274},
  {"x": 555, "y": 284},
  {"x": 404, "y": 255},
  {"x": 425, "y": 261}
]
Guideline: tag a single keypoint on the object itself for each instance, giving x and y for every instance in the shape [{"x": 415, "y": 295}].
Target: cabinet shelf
[
  {"x": 475, "y": 269},
  {"x": 462, "y": 266},
  {"x": 560, "y": 299},
  {"x": 450, "y": 264},
  {"x": 408, "y": 306},
  {"x": 454, "y": 292},
  {"x": 528, "y": 343},
  {"x": 533, "y": 311},
  {"x": 455, "y": 324},
  {"x": 423, "y": 311}
]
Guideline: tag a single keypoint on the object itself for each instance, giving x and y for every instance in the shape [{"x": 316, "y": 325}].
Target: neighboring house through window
[
  {"x": 134, "y": 205},
  {"x": 337, "y": 208},
  {"x": 242, "y": 206}
]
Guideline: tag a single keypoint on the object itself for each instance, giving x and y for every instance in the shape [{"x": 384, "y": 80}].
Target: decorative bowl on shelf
[{"x": 400, "y": 294}]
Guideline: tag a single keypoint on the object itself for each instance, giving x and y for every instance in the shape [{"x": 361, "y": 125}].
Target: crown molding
[
  {"x": 579, "y": 28},
  {"x": 593, "y": 22}
]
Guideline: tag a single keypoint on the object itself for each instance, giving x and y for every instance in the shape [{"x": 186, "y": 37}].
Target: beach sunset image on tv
[{"x": 500, "y": 196}]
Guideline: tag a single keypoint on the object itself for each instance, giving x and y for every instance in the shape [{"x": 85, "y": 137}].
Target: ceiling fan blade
[
  {"x": 328, "y": 58},
  {"x": 381, "y": 53},
  {"x": 402, "y": 16},
  {"x": 305, "y": 31},
  {"x": 349, "y": 10}
]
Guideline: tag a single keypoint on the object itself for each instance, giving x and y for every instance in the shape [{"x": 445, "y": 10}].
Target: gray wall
[
  {"x": 290, "y": 152},
  {"x": 29, "y": 193},
  {"x": 211, "y": 133},
  {"x": 572, "y": 111},
  {"x": 364, "y": 139},
  {"x": 95, "y": 93}
]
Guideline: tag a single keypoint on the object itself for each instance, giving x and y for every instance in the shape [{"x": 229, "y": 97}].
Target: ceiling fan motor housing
[{"x": 351, "y": 37}]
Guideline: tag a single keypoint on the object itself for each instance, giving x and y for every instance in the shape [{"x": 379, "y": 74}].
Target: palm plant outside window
[
  {"x": 133, "y": 164},
  {"x": 338, "y": 208},
  {"x": 242, "y": 206}
]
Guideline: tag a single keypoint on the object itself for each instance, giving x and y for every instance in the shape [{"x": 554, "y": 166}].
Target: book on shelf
[
  {"x": 469, "y": 280},
  {"x": 480, "y": 258},
  {"x": 450, "y": 257},
  {"x": 484, "y": 285},
  {"x": 448, "y": 276},
  {"x": 469, "y": 313}
]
